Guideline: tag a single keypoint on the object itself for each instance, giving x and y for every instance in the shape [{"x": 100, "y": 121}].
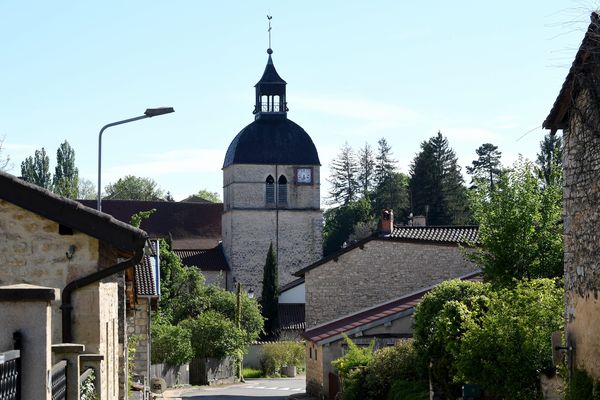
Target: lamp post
[{"x": 149, "y": 113}]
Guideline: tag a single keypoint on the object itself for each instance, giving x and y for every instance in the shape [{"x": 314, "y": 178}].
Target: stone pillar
[
  {"x": 27, "y": 309},
  {"x": 93, "y": 361},
  {"x": 69, "y": 352}
]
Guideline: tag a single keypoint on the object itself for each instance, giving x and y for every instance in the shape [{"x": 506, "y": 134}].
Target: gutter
[{"x": 66, "y": 306}]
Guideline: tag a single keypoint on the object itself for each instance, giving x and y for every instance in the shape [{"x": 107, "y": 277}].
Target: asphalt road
[{"x": 253, "y": 389}]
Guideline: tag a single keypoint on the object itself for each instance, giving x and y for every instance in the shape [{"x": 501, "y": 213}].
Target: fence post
[
  {"x": 27, "y": 309},
  {"x": 93, "y": 361},
  {"x": 69, "y": 352}
]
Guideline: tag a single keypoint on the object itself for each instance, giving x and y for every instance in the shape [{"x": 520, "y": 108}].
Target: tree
[
  {"x": 212, "y": 197},
  {"x": 487, "y": 166},
  {"x": 520, "y": 230},
  {"x": 66, "y": 175},
  {"x": 366, "y": 170},
  {"x": 436, "y": 184},
  {"x": 4, "y": 160},
  {"x": 341, "y": 221},
  {"x": 36, "y": 169},
  {"x": 270, "y": 295},
  {"x": 385, "y": 165},
  {"x": 86, "y": 190},
  {"x": 392, "y": 193},
  {"x": 134, "y": 188},
  {"x": 550, "y": 156},
  {"x": 344, "y": 183}
]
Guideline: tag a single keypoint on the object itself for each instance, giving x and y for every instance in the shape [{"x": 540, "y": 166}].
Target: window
[
  {"x": 276, "y": 103},
  {"x": 310, "y": 353},
  {"x": 282, "y": 190},
  {"x": 315, "y": 354},
  {"x": 270, "y": 190}
]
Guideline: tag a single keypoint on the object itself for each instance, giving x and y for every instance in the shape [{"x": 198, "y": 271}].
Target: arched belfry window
[
  {"x": 270, "y": 190},
  {"x": 282, "y": 190}
]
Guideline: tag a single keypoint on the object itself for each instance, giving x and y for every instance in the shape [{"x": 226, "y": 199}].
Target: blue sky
[{"x": 356, "y": 71}]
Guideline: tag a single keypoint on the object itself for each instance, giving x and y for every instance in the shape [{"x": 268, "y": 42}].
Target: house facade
[
  {"x": 576, "y": 112},
  {"x": 47, "y": 240}
]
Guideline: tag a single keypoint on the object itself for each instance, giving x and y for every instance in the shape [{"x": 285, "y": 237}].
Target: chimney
[{"x": 387, "y": 221}]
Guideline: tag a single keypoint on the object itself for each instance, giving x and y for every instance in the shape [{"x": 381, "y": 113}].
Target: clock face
[{"x": 304, "y": 175}]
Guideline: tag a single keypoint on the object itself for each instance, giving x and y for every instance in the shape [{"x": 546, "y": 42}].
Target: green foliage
[
  {"x": 171, "y": 344},
  {"x": 277, "y": 355},
  {"x": 137, "y": 218},
  {"x": 252, "y": 373},
  {"x": 409, "y": 390},
  {"x": 36, "y": 169},
  {"x": 344, "y": 177},
  {"x": 213, "y": 335},
  {"x": 549, "y": 158},
  {"x": 509, "y": 346},
  {"x": 392, "y": 193},
  {"x": 212, "y": 197},
  {"x": 66, "y": 174},
  {"x": 270, "y": 294},
  {"x": 134, "y": 188},
  {"x": 341, "y": 221},
  {"x": 390, "y": 364},
  {"x": 352, "y": 369},
  {"x": 487, "y": 166},
  {"x": 436, "y": 184},
  {"x": 366, "y": 170},
  {"x": 131, "y": 349},
  {"x": 582, "y": 387},
  {"x": 88, "y": 388},
  {"x": 520, "y": 227},
  {"x": 441, "y": 318},
  {"x": 86, "y": 190},
  {"x": 385, "y": 165}
]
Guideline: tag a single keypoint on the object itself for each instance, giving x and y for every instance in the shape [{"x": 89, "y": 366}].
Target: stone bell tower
[{"x": 271, "y": 190}]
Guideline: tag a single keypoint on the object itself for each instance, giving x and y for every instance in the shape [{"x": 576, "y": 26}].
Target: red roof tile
[{"x": 207, "y": 260}]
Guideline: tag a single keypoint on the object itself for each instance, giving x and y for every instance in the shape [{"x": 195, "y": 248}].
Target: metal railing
[
  {"x": 59, "y": 380},
  {"x": 10, "y": 375}
]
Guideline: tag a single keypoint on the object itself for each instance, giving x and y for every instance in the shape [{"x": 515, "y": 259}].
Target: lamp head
[{"x": 153, "y": 112}]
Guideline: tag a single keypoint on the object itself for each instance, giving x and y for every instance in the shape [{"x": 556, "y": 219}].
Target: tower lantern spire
[{"x": 269, "y": 17}]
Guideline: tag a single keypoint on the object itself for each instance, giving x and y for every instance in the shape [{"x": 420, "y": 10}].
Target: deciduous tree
[
  {"x": 36, "y": 169},
  {"x": 66, "y": 174},
  {"x": 134, "y": 188}
]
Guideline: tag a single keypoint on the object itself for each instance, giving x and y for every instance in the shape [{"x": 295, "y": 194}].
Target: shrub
[
  {"x": 351, "y": 368},
  {"x": 505, "y": 353},
  {"x": 390, "y": 364},
  {"x": 279, "y": 354},
  {"x": 441, "y": 319},
  {"x": 171, "y": 344},
  {"x": 214, "y": 336},
  {"x": 409, "y": 390}
]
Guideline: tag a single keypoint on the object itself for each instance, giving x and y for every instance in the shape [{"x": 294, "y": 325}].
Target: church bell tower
[{"x": 271, "y": 190}]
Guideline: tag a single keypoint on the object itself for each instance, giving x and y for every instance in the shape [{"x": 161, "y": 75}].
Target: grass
[{"x": 252, "y": 373}]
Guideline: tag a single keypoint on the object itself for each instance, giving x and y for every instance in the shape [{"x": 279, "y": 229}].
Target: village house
[
  {"x": 576, "y": 112},
  {"x": 370, "y": 288},
  {"x": 56, "y": 243}
]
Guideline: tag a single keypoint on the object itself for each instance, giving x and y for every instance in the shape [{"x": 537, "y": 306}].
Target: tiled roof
[
  {"x": 207, "y": 260},
  {"x": 71, "y": 213},
  {"x": 181, "y": 221},
  {"x": 443, "y": 234},
  {"x": 557, "y": 119},
  {"x": 373, "y": 316},
  {"x": 145, "y": 284},
  {"x": 291, "y": 317}
]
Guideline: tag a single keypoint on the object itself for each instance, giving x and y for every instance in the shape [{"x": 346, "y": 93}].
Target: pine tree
[
  {"x": 436, "y": 184},
  {"x": 344, "y": 183},
  {"x": 392, "y": 193},
  {"x": 66, "y": 175},
  {"x": 366, "y": 170},
  {"x": 549, "y": 157},
  {"x": 385, "y": 164},
  {"x": 36, "y": 169},
  {"x": 270, "y": 294},
  {"x": 487, "y": 166}
]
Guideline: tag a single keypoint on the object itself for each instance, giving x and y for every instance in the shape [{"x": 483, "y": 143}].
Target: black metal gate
[
  {"x": 10, "y": 375},
  {"x": 59, "y": 380}
]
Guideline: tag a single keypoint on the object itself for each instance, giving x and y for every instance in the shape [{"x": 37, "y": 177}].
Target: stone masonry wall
[
  {"x": 249, "y": 225},
  {"x": 137, "y": 325},
  {"x": 581, "y": 166},
  {"x": 382, "y": 270}
]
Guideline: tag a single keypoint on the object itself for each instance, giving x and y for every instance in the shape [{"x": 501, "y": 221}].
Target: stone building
[
  {"x": 576, "y": 112},
  {"x": 47, "y": 240},
  {"x": 382, "y": 267},
  {"x": 271, "y": 190}
]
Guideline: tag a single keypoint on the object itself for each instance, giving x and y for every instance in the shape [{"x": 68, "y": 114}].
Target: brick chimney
[{"x": 387, "y": 221}]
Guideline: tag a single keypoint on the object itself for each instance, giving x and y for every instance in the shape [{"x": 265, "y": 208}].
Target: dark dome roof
[{"x": 272, "y": 141}]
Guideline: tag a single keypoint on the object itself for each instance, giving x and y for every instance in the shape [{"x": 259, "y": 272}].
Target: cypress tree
[{"x": 270, "y": 294}]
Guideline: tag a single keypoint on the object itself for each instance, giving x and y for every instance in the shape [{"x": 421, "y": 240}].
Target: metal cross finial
[{"x": 269, "y": 17}]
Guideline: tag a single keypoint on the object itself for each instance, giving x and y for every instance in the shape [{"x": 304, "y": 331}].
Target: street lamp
[
  {"x": 149, "y": 113},
  {"x": 238, "y": 318}
]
